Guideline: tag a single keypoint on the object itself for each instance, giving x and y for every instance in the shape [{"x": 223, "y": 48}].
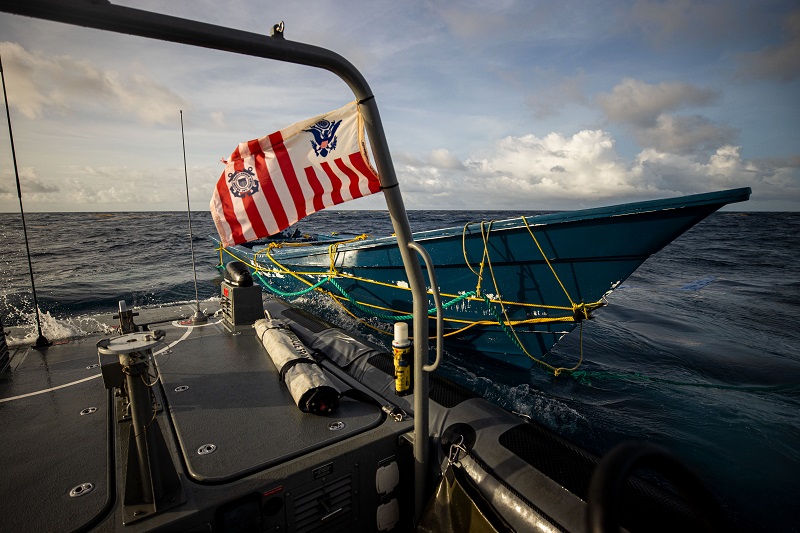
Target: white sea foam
[{"x": 54, "y": 329}]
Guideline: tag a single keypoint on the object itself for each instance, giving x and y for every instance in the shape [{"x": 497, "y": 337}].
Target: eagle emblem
[
  {"x": 243, "y": 183},
  {"x": 324, "y": 133}
]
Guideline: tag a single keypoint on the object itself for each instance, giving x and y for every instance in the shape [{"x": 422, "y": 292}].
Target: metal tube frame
[
  {"x": 102, "y": 15},
  {"x": 135, "y": 366}
]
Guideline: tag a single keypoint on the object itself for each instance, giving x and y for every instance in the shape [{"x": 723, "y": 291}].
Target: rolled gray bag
[{"x": 311, "y": 389}]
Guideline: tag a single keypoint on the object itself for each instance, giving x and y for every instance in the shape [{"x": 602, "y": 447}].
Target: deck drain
[
  {"x": 181, "y": 388},
  {"x": 206, "y": 449},
  {"x": 80, "y": 490},
  {"x": 92, "y": 366},
  {"x": 336, "y": 426},
  {"x": 88, "y": 411}
]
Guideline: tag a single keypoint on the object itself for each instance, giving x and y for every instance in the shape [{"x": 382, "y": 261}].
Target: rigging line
[
  {"x": 41, "y": 340},
  {"x": 470, "y": 296},
  {"x": 544, "y": 256},
  {"x": 199, "y": 317}
]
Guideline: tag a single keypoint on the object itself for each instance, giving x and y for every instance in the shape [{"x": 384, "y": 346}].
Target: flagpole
[{"x": 41, "y": 340}]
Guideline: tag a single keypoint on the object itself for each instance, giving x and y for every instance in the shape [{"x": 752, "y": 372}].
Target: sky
[{"x": 518, "y": 105}]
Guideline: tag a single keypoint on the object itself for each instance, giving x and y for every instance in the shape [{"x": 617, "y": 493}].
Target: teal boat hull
[{"x": 512, "y": 288}]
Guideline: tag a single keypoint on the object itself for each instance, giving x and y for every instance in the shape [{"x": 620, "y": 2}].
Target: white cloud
[
  {"x": 444, "y": 159},
  {"x": 39, "y": 84},
  {"x": 640, "y": 104},
  {"x": 30, "y": 182},
  {"x": 585, "y": 163},
  {"x": 685, "y": 134},
  {"x": 108, "y": 188},
  {"x": 527, "y": 172},
  {"x": 585, "y": 169},
  {"x": 32, "y": 185},
  {"x": 645, "y": 110}
]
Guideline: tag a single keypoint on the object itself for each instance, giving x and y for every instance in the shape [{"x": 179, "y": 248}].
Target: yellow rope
[
  {"x": 338, "y": 300},
  {"x": 579, "y": 311},
  {"x": 282, "y": 269},
  {"x": 544, "y": 256},
  {"x": 268, "y": 252},
  {"x": 538, "y": 320},
  {"x": 333, "y": 251}
]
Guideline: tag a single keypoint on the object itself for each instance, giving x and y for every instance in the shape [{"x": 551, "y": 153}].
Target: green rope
[
  {"x": 283, "y": 294},
  {"x": 504, "y": 327},
  {"x": 393, "y": 318},
  {"x": 355, "y": 303},
  {"x": 501, "y": 322}
]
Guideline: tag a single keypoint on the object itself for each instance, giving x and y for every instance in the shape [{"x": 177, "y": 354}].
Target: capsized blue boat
[{"x": 510, "y": 289}]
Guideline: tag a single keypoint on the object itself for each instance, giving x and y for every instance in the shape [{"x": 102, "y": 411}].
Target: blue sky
[{"x": 486, "y": 105}]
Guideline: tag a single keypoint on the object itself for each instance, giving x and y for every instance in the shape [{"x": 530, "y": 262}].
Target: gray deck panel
[
  {"x": 238, "y": 403},
  {"x": 46, "y": 446}
]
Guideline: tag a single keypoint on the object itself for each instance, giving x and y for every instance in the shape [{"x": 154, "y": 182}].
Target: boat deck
[
  {"x": 256, "y": 423},
  {"x": 47, "y": 446},
  {"x": 218, "y": 391},
  {"x": 243, "y": 455}
]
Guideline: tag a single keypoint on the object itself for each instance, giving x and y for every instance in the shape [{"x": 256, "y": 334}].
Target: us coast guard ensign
[
  {"x": 270, "y": 183},
  {"x": 243, "y": 183}
]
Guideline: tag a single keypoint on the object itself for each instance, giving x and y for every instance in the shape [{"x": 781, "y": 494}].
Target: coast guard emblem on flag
[
  {"x": 324, "y": 140},
  {"x": 243, "y": 183},
  {"x": 270, "y": 183}
]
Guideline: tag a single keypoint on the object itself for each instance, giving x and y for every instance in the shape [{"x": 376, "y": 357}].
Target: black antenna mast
[
  {"x": 41, "y": 340},
  {"x": 198, "y": 317}
]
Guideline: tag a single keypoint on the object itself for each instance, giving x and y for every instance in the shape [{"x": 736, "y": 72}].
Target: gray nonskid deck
[
  {"x": 47, "y": 446},
  {"x": 235, "y": 400},
  {"x": 223, "y": 392}
]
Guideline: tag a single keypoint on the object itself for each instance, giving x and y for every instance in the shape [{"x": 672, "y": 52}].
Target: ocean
[{"x": 696, "y": 352}]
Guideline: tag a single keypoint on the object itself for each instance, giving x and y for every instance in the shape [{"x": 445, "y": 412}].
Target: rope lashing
[
  {"x": 544, "y": 256},
  {"x": 283, "y": 294},
  {"x": 580, "y": 311},
  {"x": 573, "y": 313},
  {"x": 333, "y": 251},
  {"x": 509, "y": 331},
  {"x": 356, "y": 303}
]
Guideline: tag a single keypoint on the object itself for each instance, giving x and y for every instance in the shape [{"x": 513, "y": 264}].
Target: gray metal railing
[{"x": 105, "y": 16}]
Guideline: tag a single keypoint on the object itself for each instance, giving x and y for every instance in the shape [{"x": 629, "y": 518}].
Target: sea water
[{"x": 697, "y": 350}]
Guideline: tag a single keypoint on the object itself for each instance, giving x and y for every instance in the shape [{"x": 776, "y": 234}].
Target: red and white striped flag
[{"x": 270, "y": 183}]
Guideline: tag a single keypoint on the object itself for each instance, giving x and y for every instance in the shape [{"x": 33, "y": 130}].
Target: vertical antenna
[
  {"x": 41, "y": 340},
  {"x": 198, "y": 317}
]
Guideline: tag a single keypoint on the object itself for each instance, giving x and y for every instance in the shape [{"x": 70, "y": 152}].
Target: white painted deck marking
[{"x": 167, "y": 347}]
